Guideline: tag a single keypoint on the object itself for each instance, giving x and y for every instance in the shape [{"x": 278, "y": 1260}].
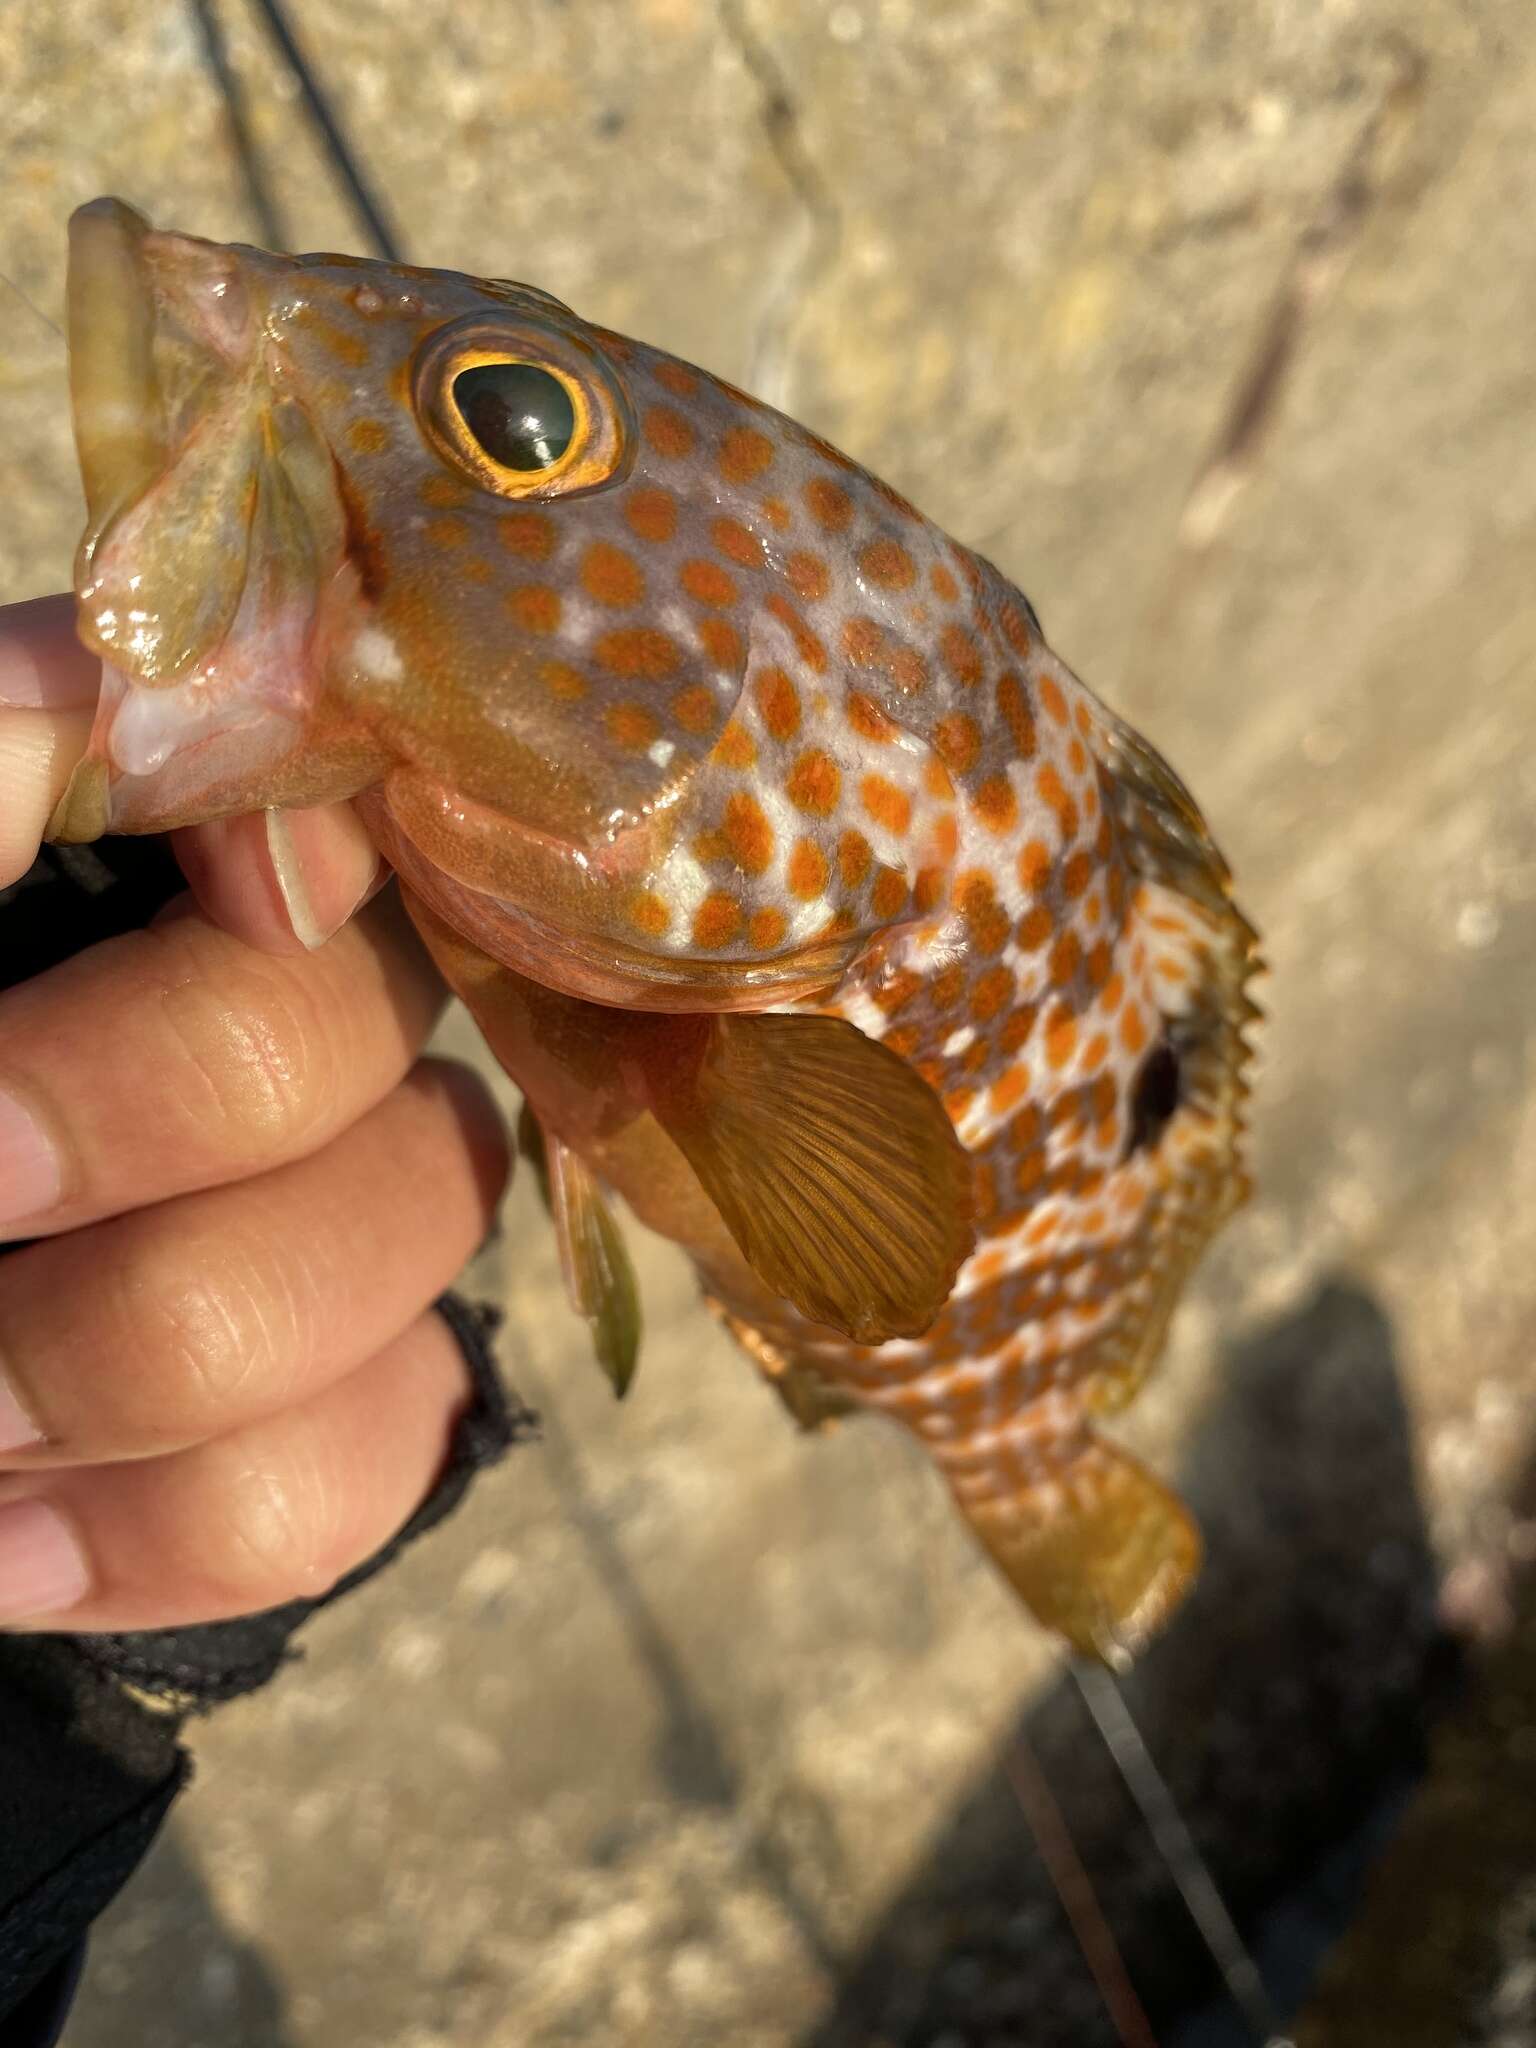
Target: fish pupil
[
  {"x": 521, "y": 415},
  {"x": 1155, "y": 1097}
]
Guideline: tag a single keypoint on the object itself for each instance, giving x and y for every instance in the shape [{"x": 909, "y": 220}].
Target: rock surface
[{"x": 1213, "y": 327}]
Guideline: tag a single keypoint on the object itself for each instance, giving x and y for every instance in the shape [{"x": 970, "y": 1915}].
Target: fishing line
[
  {"x": 1176, "y": 1845},
  {"x": 368, "y": 207},
  {"x": 236, "y": 113},
  {"x": 33, "y": 307}
]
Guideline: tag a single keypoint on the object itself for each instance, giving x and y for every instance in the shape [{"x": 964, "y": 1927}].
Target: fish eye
[
  {"x": 521, "y": 416},
  {"x": 524, "y": 408}
]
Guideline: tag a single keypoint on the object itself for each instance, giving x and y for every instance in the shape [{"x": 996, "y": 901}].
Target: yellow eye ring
[{"x": 522, "y": 407}]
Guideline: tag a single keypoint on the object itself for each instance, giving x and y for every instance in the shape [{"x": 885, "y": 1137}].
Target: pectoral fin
[
  {"x": 599, "y": 1278},
  {"x": 834, "y": 1166}
]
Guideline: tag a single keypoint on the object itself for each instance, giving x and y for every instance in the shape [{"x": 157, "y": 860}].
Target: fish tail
[{"x": 1096, "y": 1546}]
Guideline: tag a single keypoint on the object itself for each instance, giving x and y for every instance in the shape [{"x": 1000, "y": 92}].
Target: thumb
[{"x": 48, "y": 689}]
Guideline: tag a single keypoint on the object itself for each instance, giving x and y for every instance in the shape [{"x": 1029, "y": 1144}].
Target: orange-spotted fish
[{"x": 815, "y": 906}]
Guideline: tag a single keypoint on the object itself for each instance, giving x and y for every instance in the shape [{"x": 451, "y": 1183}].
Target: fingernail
[
  {"x": 17, "y": 1429},
  {"x": 324, "y": 863},
  {"x": 41, "y": 1569},
  {"x": 30, "y": 1180}
]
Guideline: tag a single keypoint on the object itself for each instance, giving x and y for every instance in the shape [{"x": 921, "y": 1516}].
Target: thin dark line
[
  {"x": 268, "y": 220},
  {"x": 369, "y": 209},
  {"x": 1074, "y": 1888}
]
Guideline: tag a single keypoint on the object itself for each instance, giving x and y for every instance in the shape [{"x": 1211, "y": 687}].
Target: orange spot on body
[
  {"x": 938, "y": 781},
  {"x": 744, "y": 454},
  {"x": 748, "y": 833},
  {"x": 992, "y": 994},
  {"x": 737, "y": 543},
  {"x": 563, "y": 681},
  {"x": 1016, "y": 630},
  {"x": 652, "y": 514},
  {"x": 1066, "y": 958},
  {"x": 809, "y": 575},
  {"x": 1016, "y": 715},
  {"x": 535, "y": 607},
  {"x": 667, "y": 431},
  {"x": 1060, "y": 1037},
  {"x": 946, "y": 989},
  {"x": 1133, "y": 1030},
  {"x": 1008, "y": 1090},
  {"x": 735, "y": 747},
  {"x": 648, "y": 914},
  {"x": 696, "y": 709},
  {"x": 961, "y": 655},
  {"x": 1049, "y": 692},
  {"x": 890, "y": 893},
  {"x": 867, "y": 719},
  {"x": 767, "y": 930},
  {"x": 808, "y": 871},
  {"x": 638, "y": 651},
  {"x": 886, "y": 804},
  {"x": 930, "y": 889},
  {"x": 943, "y": 583},
  {"x": 779, "y": 702},
  {"x": 445, "y": 493},
  {"x": 446, "y": 532},
  {"x": 1035, "y": 928},
  {"x": 530, "y": 535},
  {"x": 611, "y": 576},
  {"x": 887, "y": 564},
  {"x": 630, "y": 725},
  {"x": 996, "y": 803},
  {"x": 707, "y": 583},
  {"x": 853, "y": 862},
  {"x": 829, "y": 504},
  {"x": 814, "y": 782},
  {"x": 716, "y": 921},
  {"x": 371, "y": 437},
  {"x": 776, "y": 512},
  {"x": 721, "y": 642},
  {"x": 676, "y": 378},
  {"x": 958, "y": 739},
  {"x": 810, "y": 650}
]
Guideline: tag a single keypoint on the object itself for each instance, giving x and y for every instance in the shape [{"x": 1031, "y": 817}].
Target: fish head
[{"x": 534, "y": 591}]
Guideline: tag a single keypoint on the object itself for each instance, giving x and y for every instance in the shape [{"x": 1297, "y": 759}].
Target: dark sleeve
[{"x": 90, "y": 1725}]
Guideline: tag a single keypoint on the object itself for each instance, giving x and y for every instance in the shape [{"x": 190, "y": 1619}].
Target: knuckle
[
  {"x": 284, "y": 1531},
  {"x": 197, "y": 1324},
  {"x": 252, "y": 1067}
]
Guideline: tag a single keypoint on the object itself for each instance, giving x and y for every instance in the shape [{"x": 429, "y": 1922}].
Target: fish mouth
[{"x": 113, "y": 385}]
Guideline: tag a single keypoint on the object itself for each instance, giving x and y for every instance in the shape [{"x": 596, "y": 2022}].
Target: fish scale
[{"x": 818, "y": 909}]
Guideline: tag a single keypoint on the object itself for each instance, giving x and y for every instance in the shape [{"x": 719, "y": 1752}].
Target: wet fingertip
[
  {"x": 38, "y": 752},
  {"x": 43, "y": 666}
]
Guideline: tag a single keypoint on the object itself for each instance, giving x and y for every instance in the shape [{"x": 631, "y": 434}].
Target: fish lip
[
  {"x": 115, "y": 391},
  {"x": 151, "y": 316}
]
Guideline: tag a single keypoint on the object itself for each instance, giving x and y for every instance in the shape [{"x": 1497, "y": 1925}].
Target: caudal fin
[{"x": 1099, "y": 1550}]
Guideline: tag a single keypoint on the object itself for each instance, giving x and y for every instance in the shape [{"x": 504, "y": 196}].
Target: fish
[{"x": 823, "y": 917}]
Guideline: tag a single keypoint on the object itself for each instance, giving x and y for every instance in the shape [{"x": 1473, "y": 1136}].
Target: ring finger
[{"x": 278, "y": 1511}]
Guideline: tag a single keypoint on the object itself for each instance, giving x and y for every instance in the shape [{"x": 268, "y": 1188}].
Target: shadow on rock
[
  {"x": 1288, "y": 1708},
  {"x": 164, "y": 1971}
]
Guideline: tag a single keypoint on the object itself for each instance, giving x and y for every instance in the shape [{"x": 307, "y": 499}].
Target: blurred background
[{"x": 1213, "y": 327}]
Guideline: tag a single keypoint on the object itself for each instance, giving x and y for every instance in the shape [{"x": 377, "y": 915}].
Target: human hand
[{"x": 221, "y": 1384}]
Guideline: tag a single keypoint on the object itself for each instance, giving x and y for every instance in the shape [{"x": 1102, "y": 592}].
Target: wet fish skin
[{"x": 819, "y": 910}]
